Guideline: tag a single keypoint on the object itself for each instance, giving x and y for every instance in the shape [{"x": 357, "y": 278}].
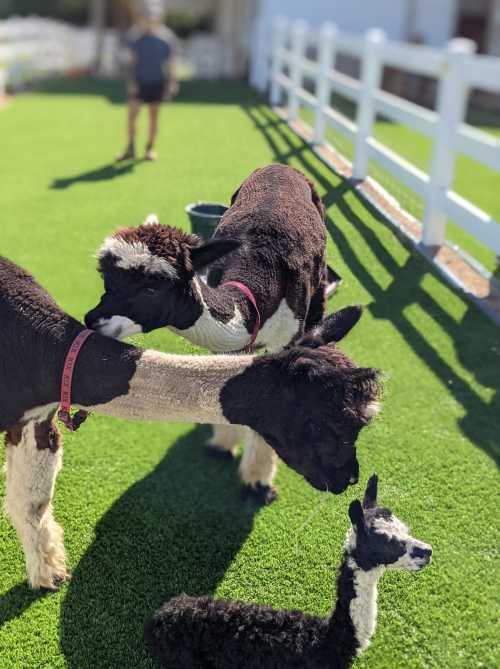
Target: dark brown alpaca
[{"x": 275, "y": 235}]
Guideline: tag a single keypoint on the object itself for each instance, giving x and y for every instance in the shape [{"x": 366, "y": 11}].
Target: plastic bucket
[{"x": 205, "y": 217}]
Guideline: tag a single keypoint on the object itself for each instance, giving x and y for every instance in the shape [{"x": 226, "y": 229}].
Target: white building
[{"x": 431, "y": 22}]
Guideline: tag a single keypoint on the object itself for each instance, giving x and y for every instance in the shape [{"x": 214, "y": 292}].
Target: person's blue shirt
[{"x": 151, "y": 49}]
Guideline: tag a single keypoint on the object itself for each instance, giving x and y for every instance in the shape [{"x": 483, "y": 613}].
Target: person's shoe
[
  {"x": 150, "y": 153},
  {"x": 128, "y": 154}
]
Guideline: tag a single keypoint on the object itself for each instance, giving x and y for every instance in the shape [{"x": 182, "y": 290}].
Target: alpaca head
[
  {"x": 148, "y": 273},
  {"x": 311, "y": 401},
  {"x": 379, "y": 539}
]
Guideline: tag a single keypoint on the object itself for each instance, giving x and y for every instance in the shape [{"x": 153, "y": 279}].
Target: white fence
[
  {"x": 33, "y": 47},
  {"x": 457, "y": 70}
]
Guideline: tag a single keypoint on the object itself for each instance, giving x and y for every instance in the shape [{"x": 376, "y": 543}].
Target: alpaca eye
[{"x": 151, "y": 290}]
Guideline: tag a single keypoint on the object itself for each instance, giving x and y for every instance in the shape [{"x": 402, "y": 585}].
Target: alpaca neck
[
  {"x": 356, "y": 605},
  {"x": 222, "y": 325},
  {"x": 174, "y": 388}
]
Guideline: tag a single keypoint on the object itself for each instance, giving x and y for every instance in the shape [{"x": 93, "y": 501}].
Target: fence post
[
  {"x": 371, "y": 75},
  {"x": 299, "y": 34},
  {"x": 451, "y": 107},
  {"x": 261, "y": 54},
  {"x": 326, "y": 57},
  {"x": 278, "y": 43}
]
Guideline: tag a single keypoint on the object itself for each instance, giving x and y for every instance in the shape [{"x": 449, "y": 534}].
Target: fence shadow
[
  {"x": 177, "y": 530},
  {"x": 475, "y": 338}
]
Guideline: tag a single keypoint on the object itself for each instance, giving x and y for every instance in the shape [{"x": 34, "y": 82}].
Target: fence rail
[{"x": 457, "y": 70}]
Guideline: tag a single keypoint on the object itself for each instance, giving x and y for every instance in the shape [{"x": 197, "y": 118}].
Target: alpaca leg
[
  {"x": 224, "y": 440},
  {"x": 258, "y": 468},
  {"x": 33, "y": 461}
]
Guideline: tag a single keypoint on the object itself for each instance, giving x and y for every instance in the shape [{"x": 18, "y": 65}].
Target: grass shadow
[
  {"x": 481, "y": 422},
  {"x": 177, "y": 530},
  {"x": 104, "y": 173},
  {"x": 113, "y": 90},
  {"x": 191, "y": 91},
  {"x": 17, "y": 600}
]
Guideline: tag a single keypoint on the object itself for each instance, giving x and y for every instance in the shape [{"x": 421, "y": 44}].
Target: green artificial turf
[{"x": 145, "y": 515}]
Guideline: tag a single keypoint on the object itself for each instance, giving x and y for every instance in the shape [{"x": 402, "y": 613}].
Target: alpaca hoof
[
  {"x": 218, "y": 453},
  {"x": 55, "y": 582},
  {"x": 260, "y": 494}
]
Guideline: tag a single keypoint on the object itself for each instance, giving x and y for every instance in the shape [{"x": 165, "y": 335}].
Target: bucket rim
[{"x": 189, "y": 209}]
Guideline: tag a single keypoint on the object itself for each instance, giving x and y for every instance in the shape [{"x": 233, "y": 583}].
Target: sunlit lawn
[{"x": 145, "y": 515}]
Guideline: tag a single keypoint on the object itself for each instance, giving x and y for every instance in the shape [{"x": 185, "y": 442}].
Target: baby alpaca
[{"x": 199, "y": 632}]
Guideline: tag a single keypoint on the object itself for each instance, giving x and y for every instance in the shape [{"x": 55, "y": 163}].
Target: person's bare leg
[
  {"x": 134, "y": 107},
  {"x": 154, "y": 109}
]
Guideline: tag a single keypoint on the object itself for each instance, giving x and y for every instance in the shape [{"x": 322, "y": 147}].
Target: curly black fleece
[{"x": 203, "y": 633}]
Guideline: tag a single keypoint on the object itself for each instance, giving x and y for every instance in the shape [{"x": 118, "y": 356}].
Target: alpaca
[
  {"x": 309, "y": 401},
  {"x": 199, "y": 632},
  {"x": 276, "y": 236}
]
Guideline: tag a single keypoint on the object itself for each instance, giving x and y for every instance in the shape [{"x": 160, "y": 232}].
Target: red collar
[
  {"x": 64, "y": 412},
  {"x": 246, "y": 291}
]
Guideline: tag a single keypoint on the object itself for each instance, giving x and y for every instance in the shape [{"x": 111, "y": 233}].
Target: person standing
[{"x": 151, "y": 58}]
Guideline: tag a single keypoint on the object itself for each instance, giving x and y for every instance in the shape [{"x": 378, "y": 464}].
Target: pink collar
[
  {"x": 64, "y": 412},
  {"x": 246, "y": 291}
]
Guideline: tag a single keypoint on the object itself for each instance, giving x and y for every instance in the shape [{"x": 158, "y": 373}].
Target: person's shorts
[{"x": 150, "y": 93}]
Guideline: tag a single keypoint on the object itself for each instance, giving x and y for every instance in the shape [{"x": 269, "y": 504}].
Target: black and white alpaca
[
  {"x": 309, "y": 402},
  {"x": 275, "y": 229},
  {"x": 200, "y": 632}
]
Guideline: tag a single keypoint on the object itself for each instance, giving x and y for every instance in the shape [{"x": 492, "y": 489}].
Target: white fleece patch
[
  {"x": 218, "y": 337},
  {"x": 392, "y": 528},
  {"x": 280, "y": 329},
  {"x": 372, "y": 409},
  {"x": 151, "y": 219},
  {"x": 176, "y": 388},
  {"x": 363, "y": 608},
  {"x": 30, "y": 479},
  {"x": 136, "y": 255},
  {"x": 117, "y": 327},
  {"x": 38, "y": 414},
  {"x": 408, "y": 562}
]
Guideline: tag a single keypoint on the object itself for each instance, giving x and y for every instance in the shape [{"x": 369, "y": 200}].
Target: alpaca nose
[{"x": 419, "y": 552}]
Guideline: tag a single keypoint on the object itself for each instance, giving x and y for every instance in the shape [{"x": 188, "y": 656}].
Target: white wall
[
  {"x": 434, "y": 19},
  {"x": 349, "y": 15},
  {"x": 494, "y": 34}
]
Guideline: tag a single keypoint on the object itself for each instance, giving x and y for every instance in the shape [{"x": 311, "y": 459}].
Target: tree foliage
[{"x": 73, "y": 11}]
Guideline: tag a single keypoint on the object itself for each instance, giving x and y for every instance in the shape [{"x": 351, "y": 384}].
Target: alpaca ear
[
  {"x": 370, "y": 499},
  {"x": 203, "y": 255},
  {"x": 317, "y": 201},
  {"x": 341, "y": 323},
  {"x": 235, "y": 195},
  {"x": 356, "y": 515},
  {"x": 333, "y": 328}
]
